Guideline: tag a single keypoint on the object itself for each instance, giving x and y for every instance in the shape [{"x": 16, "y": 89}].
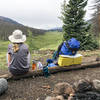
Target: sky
[{"x": 42, "y": 14}]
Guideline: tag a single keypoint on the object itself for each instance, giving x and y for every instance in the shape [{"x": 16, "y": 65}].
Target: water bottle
[
  {"x": 39, "y": 65},
  {"x": 46, "y": 71}
]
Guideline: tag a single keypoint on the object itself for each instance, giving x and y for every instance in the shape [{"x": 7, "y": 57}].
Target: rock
[
  {"x": 96, "y": 84},
  {"x": 47, "y": 87},
  {"x": 60, "y": 97},
  {"x": 38, "y": 99},
  {"x": 51, "y": 98},
  {"x": 98, "y": 59},
  {"x": 85, "y": 96},
  {"x": 83, "y": 85},
  {"x": 70, "y": 98},
  {"x": 63, "y": 88},
  {"x": 3, "y": 85}
]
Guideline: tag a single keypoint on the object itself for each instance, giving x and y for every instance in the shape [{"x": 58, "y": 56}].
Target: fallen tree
[{"x": 52, "y": 70}]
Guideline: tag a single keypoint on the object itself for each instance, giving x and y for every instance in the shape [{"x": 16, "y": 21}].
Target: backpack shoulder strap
[{"x": 59, "y": 48}]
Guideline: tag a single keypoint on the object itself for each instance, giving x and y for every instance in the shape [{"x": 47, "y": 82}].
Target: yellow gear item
[{"x": 66, "y": 60}]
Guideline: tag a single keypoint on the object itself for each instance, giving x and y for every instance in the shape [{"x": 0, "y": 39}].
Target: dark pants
[{"x": 17, "y": 72}]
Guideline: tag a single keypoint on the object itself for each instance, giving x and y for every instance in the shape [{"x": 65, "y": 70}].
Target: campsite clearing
[{"x": 33, "y": 88}]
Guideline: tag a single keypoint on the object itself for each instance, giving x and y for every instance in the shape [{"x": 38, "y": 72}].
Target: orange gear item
[{"x": 33, "y": 65}]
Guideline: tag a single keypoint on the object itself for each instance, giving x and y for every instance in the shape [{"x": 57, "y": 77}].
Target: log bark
[{"x": 53, "y": 70}]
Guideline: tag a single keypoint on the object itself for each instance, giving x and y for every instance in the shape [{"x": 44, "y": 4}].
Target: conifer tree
[{"x": 74, "y": 24}]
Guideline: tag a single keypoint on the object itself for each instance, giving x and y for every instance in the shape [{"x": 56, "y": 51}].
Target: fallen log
[{"x": 53, "y": 70}]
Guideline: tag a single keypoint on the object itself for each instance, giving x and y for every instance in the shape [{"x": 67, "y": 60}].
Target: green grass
[
  {"x": 3, "y": 50},
  {"x": 49, "y": 40},
  {"x": 3, "y": 46}
]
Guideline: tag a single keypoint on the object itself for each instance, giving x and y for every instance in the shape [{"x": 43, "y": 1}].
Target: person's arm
[
  {"x": 28, "y": 58},
  {"x": 8, "y": 59},
  {"x": 9, "y": 53}
]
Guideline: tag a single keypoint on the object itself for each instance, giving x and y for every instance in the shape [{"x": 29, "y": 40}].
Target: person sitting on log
[
  {"x": 18, "y": 55},
  {"x": 69, "y": 47}
]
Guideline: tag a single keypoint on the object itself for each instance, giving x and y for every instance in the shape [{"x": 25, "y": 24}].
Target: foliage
[
  {"x": 49, "y": 40},
  {"x": 30, "y": 41},
  {"x": 74, "y": 24},
  {"x": 89, "y": 42}
]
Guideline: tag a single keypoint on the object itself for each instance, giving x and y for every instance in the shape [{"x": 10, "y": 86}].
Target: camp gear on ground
[
  {"x": 3, "y": 85},
  {"x": 39, "y": 65},
  {"x": 56, "y": 53},
  {"x": 34, "y": 65},
  {"x": 50, "y": 63},
  {"x": 46, "y": 71},
  {"x": 66, "y": 60},
  {"x": 17, "y": 37},
  {"x": 56, "y": 62},
  {"x": 54, "y": 57},
  {"x": 19, "y": 60},
  {"x": 69, "y": 47},
  {"x": 65, "y": 50}
]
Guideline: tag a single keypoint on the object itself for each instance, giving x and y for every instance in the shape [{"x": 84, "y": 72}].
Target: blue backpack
[
  {"x": 70, "y": 47},
  {"x": 73, "y": 44},
  {"x": 67, "y": 48}
]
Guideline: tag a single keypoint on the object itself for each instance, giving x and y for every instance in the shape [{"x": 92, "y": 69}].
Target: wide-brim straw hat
[{"x": 17, "y": 37}]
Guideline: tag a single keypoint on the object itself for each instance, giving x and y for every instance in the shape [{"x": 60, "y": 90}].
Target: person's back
[{"x": 19, "y": 61}]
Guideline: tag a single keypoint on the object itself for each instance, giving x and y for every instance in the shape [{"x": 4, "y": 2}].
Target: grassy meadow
[
  {"x": 3, "y": 50},
  {"x": 49, "y": 40}
]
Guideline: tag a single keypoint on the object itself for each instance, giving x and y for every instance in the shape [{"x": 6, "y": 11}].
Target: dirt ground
[{"x": 33, "y": 88}]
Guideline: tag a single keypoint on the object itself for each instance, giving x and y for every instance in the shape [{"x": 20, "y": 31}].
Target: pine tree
[{"x": 74, "y": 24}]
